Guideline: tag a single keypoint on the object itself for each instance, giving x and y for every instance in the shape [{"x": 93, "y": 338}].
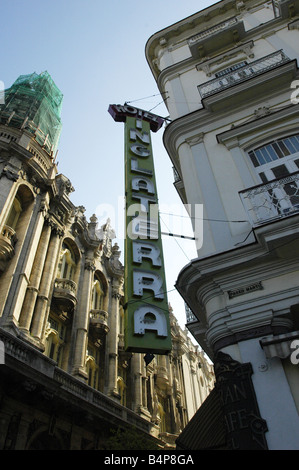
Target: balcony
[
  {"x": 271, "y": 201},
  {"x": 190, "y": 317},
  {"x": 179, "y": 185},
  {"x": 7, "y": 244},
  {"x": 65, "y": 295},
  {"x": 242, "y": 74},
  {"x": 99, "y": 321},
  {"x": 217, "y": 37}
]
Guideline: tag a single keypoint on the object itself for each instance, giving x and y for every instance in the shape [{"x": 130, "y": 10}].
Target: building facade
[
  {"x": 66, "y": 380},
  {"x": 229, "y": 75}
]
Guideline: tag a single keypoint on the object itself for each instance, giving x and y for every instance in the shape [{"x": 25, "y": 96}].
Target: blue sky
[{"x": 95, "y": 53}]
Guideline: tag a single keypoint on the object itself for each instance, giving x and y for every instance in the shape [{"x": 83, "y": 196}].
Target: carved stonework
[
  {"x": 9, "y": 173},
  {"x": 245, "y": 428},
  {"x": 114, "y": 265},
  {"x": 89, "y": 265}
]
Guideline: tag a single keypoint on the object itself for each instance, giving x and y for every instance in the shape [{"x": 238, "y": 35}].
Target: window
[
  {"x": 14, "y": 214},
  {"x": 275, "y": 150},
  {"x": 66, "y": 267},
  {"x": 121, "y": 385},
  {"x": 277, "y": 164},
  {"x": 56, "y": 334},
  {"x": 97, "y": 295},
  {"x": 231, "y": 69},
  {"x": 92, "y": 365}
]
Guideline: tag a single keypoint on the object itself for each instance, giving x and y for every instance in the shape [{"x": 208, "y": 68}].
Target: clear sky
[{"x": 95, "y": 53}]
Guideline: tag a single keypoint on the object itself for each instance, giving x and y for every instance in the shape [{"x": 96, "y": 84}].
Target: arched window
[
  {"x": 121, "y": 384},
  {"x": 14, "y": 213},
  {"x": 67, "y": 263},
  {"x": 92, "y": 365},
  {"x": 278, "y": 161},
  {"x": 55, "y": 334},
  {"x": 277, "y": 158},
  {"x": 97, "y": 294}
]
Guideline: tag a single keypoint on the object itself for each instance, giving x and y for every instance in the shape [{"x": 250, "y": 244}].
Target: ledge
[{"x": 31, "y": 371}]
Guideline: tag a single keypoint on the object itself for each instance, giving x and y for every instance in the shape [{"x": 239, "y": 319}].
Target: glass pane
[
  {"x": 278, "y": 150},
  {"x": 260, "y": 157},
  {"x": 295, "y": 142},
  {"x": 280, "y": 171},
  {"x": 283, "y": 148},
  {"x": 265, "y": 154},
  {"x": 263, "y": 177},
  {"x": 290, "y": 146},
  {"x": 271, "y": 151},
  {"x": 253, "y": 159}
]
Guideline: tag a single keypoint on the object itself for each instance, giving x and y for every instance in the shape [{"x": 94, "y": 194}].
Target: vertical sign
[{"x": 147, "y": 327}]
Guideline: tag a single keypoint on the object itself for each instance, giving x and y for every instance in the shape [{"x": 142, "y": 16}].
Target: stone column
[
  {"x": 113, "y": 339},
  {"x": 43, "y": 299},
  {"x": 35, "y": 279},
  {"x": 82, "y": 321},
  {"x": 30, "y": 228},
  {"x": 137, "y": 386}
]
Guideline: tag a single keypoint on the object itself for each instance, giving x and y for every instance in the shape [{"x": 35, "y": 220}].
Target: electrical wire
[
  {"x": 204, "y": 218},
  {"x": 194, "y": 282},
  {"x": 145, "y": 98}
]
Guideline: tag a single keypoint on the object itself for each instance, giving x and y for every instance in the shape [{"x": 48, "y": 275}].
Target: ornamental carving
[
  {"x": 9, "y": 173},
  {"x": 245, "y": 428}
]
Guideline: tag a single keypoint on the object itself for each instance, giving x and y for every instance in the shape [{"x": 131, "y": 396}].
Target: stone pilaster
[
  {"x": 113, "y": 339},
  {"x": 35, "y": 279},
  {"x": 82, "y": 321},
  {"x": 43, "y": 299}
]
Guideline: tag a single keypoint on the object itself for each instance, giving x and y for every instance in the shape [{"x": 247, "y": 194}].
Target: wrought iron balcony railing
[
  {"x": 277, "y": 199},
  {"x": 243, "y": 73},
  {"x": 176, "y": 175},
  {"x": 190, "y": 317}
]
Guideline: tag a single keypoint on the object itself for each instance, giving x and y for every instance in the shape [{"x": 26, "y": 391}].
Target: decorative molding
[{"x": 9, "y": 173}]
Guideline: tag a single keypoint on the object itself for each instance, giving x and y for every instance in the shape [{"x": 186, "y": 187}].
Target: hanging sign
[{"x": 147, "y": 327}]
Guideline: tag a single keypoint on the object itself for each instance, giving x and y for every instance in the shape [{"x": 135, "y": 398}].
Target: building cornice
[
  {"x": 185, "y": 25},
  {"x": 163, "y": 37}
]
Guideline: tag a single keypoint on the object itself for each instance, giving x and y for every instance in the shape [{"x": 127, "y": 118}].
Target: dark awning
[{"x": 205, "y": 431}]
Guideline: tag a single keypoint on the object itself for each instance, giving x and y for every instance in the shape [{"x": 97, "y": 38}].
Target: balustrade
[
  {"x": 277, "y": 199},
  {"x": 243, "y": 73}
]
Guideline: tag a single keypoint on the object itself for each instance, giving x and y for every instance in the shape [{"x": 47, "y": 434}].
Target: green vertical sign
[{"x": 147, "y": 327}]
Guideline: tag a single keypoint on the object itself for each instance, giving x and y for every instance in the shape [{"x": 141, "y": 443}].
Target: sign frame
[{"x": 147, "y": 324}]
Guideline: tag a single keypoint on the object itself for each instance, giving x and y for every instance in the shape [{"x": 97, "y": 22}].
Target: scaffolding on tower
[{"x": 34, "y": 103}]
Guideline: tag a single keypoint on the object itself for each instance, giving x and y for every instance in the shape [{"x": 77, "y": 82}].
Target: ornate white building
[
  {"x": 66, "y": 380},
  {"x": 229, "y": 76}
]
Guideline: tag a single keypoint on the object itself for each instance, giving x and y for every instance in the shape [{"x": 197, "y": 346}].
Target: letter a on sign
[{"x": 147, "y": 326}]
